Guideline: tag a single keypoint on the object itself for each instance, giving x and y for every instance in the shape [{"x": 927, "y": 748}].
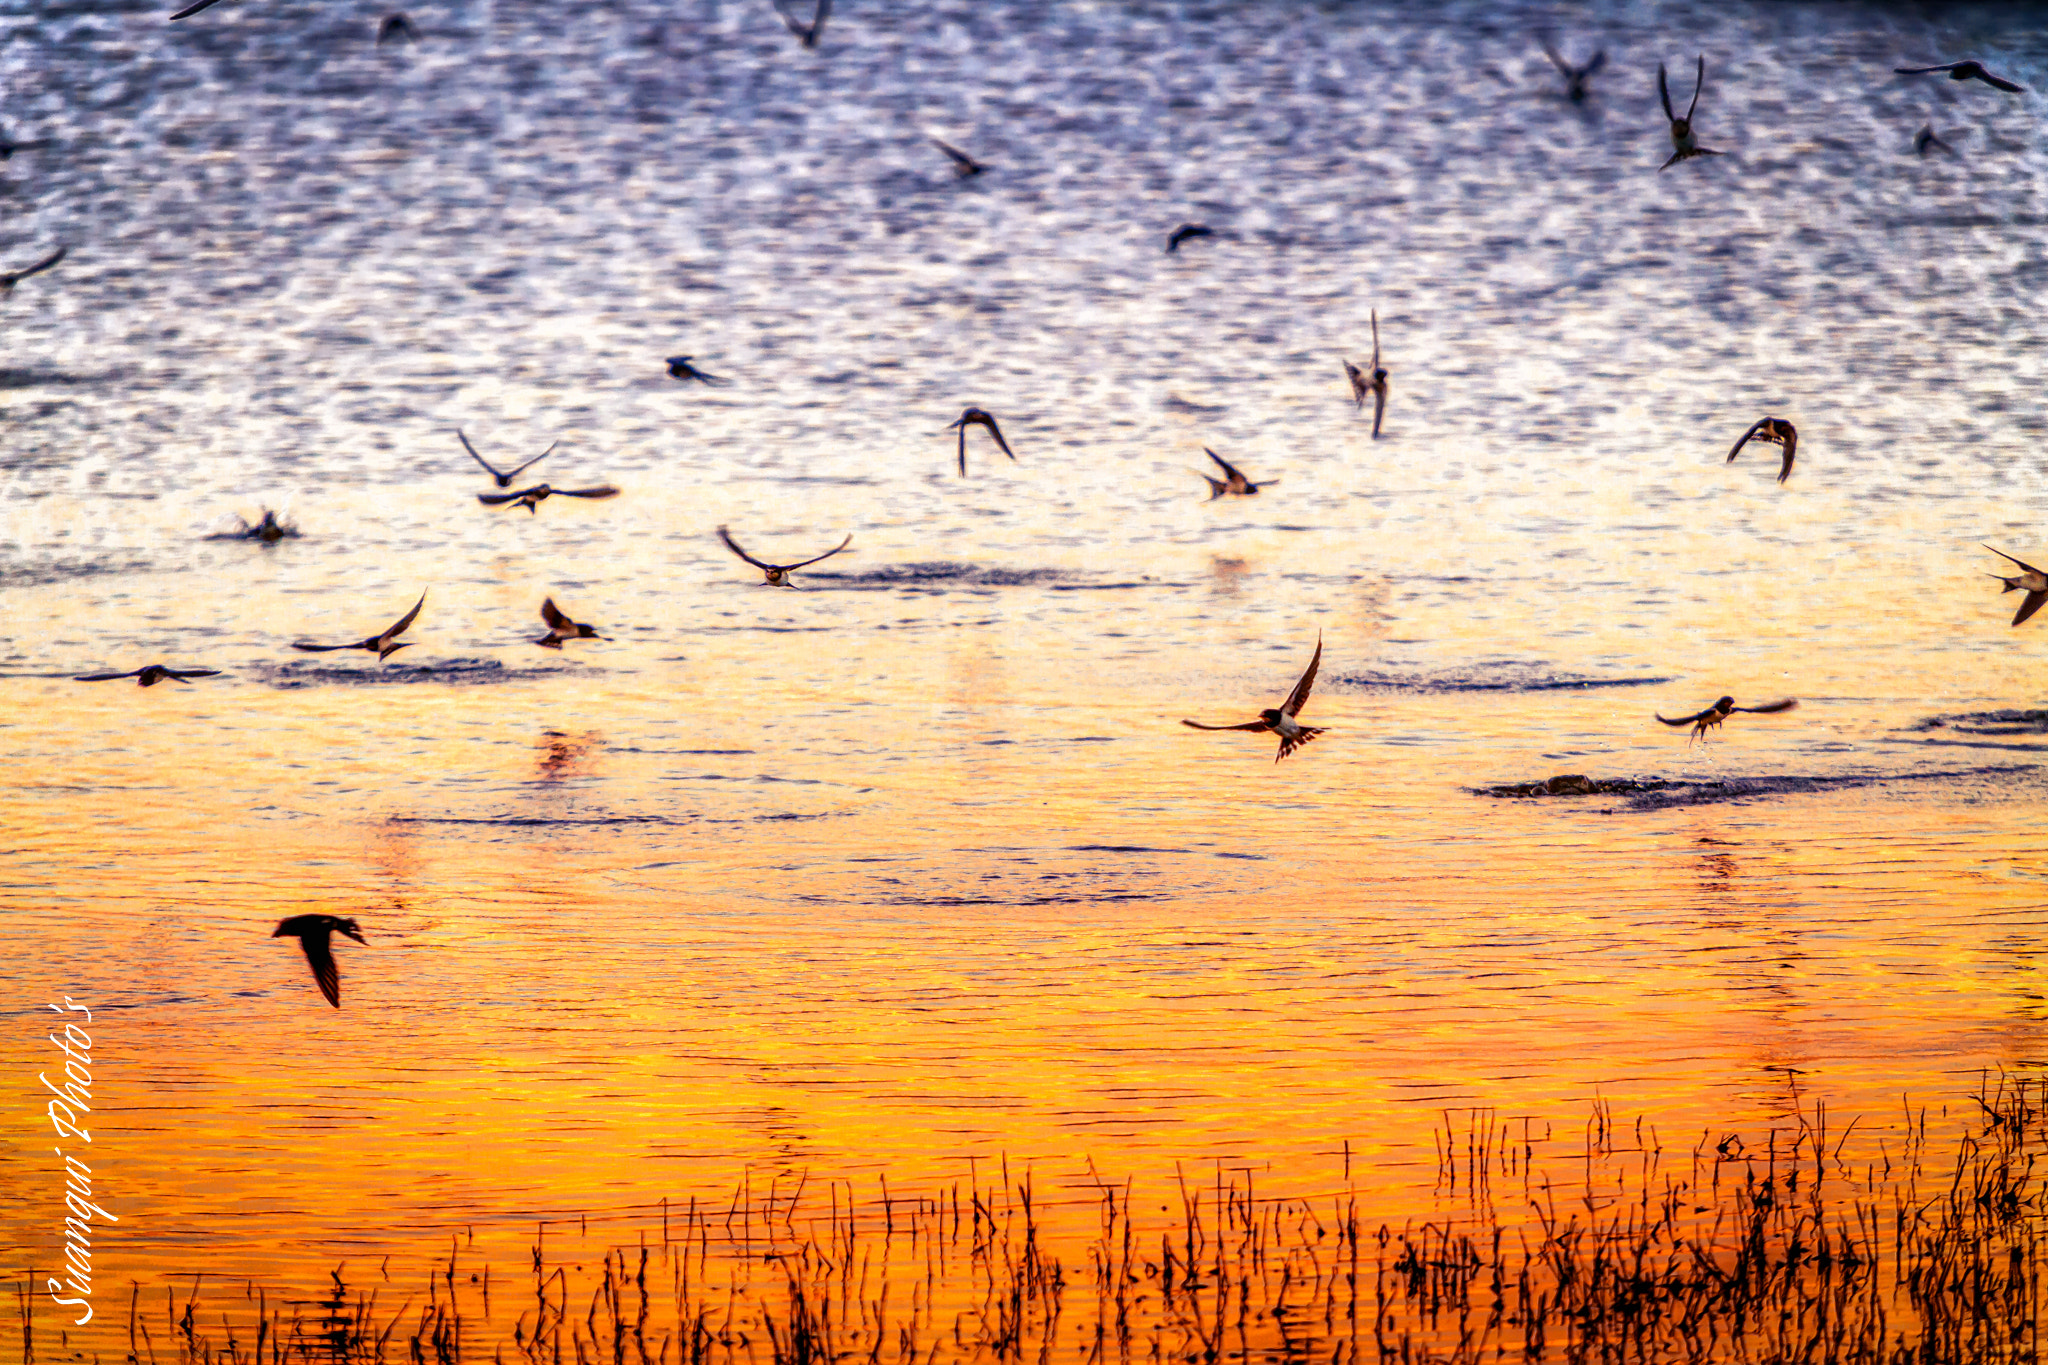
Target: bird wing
[
  {"x": 1379, "y": 408},
  {"x": 1599, "y": 60},
  {"x": 1755, "y": 427},
  {"x": 1222, "y": 464},
  {"x": 962, "y": 424},
  {"x": 1358, "y": 384},
  {"x": 1999, "y": 81},
  {"x": 1248, "y": 725},
  {"x": 398, "y": 628},
  {"x": 1298, "y": 698},
  {"x": 552, "y": 614},
  {"x": 2030, "y": 606},
  {"x": 1923, "y": 70},
  {"x": 1791, "y": 434},
  {"x": 1693, "y": 719},
  {"x": 1217, "y": 488},
  {"x": 321, "y": 958},
  {"x": 1699, "y": 83},
  {"x": 191, "y": 10},
  {"x": 603, "y": 490},
  {"x": 993, "y": 430},
  {"x": 495, "y": 499},
  {"x": 534, "y": 461},
  {"x": 827, "y": 555},
  {"x": 2021, "y": 562},
  {"x": 818, "y": 23},
  {"x": 182, "y": 674},
  {"x": 733, "y": 545},
  {"x": 965, "y": 161},
  {"x": 58, "y": 255},
  {"x": 1664, "y": 93},
  {"x": 1375, "y": 339},
  {"x": 502, "y": 477},
  {"x": 106, "y": 677},
  {"x": 320, "y": 649},
  {"x": 1786, "y": 705},
  {"x": 1563, "y": 66}
]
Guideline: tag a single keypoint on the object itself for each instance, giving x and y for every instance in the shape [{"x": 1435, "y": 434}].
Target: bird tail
[{"x": 1289, "y": 745}]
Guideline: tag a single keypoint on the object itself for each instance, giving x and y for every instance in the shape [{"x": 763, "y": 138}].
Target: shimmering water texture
[{"x": 906, "y": 871}]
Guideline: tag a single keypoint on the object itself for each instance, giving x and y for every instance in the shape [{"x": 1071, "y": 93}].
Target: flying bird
[
  {"x": 532, "y": 498},
  {"x": 1771, "y": 431},
  {"x": 1702, "y": 721},
  {"x": 1281, "y": 721},
  {"x": 778, "y": 574},
  {"x": 811, "y": 32},
  {"x": 384, "y": 645},
  {"x": 1926, "y": 138},
  {"x": 1962, "y": 71},
  {"x": 561, "y": 628},
  {"x": 1232, "y": 481},
  {"x": 679, "y": 367},
  {"x": 11, "y": 278},
  {"x": 1575, "y": 76},
  {"x": 1683, "y": 142},
  {"x": 1185, "y": 231},
  {"x": 1374, "y": 383},
  {"x": 395, "y": 26},
  {"x": 2033, "y": 582},
  {"x": 975, "y": 417},
  {"x": 963, "y": 163},
  {"x": 315, "y": 934},
  {"x": 503, "y": 477},
  {"x": 151, "y": 675}
]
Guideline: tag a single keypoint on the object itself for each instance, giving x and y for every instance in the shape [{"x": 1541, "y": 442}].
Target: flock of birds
[{"x": 315, "y": 932}]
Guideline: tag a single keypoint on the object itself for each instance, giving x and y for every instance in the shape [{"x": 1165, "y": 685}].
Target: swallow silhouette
[
  {"x": 151, "y": 675},
  {"x": 811, "y": 32},
  {"x": 963, "y": 163},
  {"x": 1232, "y": 481},
  {"x": 778, "y": 574},
  {"x": 975, "y": 417},
  {"x": 1703, "y": 721},
  {"x": 1683, "y": 142},
  {"x": 269, "y": 529},
  {"x": 1926, "y": 138},
  {"x": 503, "y": 477},
  {"x": 561, "y": 628},
  {"x": 1374, "y": 383},
  {"x": 1281, "y": 720},
  {"x": 9, "y": 148},
  {"x": 315, "y": 934},
  {"x": 383, "y": 646},
  {"x": 1771, "y": 431},
  {"x": 2032, "y": 581},
  {"x": 13, "y": 277},
  {"x": 1575, "y": 77},
  {"x": 532, "y": 498},
  {"x": 1185, "y": 231},
  {"x": 396, "y": 26},
  {"x": 1962, "y": 71},
  {"x": 679, "y": 367}
]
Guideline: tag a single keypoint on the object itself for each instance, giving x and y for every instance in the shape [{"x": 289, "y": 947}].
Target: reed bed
[{"x": 1597, "y": 1245}]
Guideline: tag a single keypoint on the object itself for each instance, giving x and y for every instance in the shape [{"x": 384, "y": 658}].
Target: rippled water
[{"x": 916, "y": 866}]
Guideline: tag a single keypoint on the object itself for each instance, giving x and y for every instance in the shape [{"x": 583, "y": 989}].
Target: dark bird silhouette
[
  {"x": 191, "y": 10},
  {"x": 963, "y": 163},
  {"x": 1185, "y": 231},
  {"x": 1281, "y": 720},
  {"x": 1575, "y": 77},
  {"x": 1374, "y": 383},
  {"x": 1232, "y": 481},
  {"x": 152, "y": 675},
  {"x": 383, "y": 646},
  {"x": 13, "y": 277},
  {"x": 561, "y": 628},
  {"x": 1683, "y": 142},
  {"x": 778, "y": 574},
  {"x": 532, "y": 498},
  {"x": 811, "y": 32},
  {"x": 1926, "y": 138},
  {"x": 8, "y": 148},
  {"x": 269, "y": 529},
  {"x": 396, "y": 26},
  {"x": 1771, "y": 431},
  {"x": 2031, "y": 581},
  {"x": 503, "y": 477},
  {"x": 975, "y": 417},
  {"x": 1962, "y": 71},
  {"x": 315, "y": 934},
  {"x": 1703, "y": 721},
  {"x": 679, "y": 367}
]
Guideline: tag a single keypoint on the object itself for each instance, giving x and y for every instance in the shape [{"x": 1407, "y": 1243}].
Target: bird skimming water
[
  {"x": 1771, "y": 431},
  {"x": 679, "y": 367},
  {"x": 315, "y": 934},
  {"x": 1683, "y": 142},
  {"x": 561, "y": 628},
  {"x": 778, "y": 574},
  {"x": 1703, "y": 721},
  {"x": 151, "y": 675},
  {"x": 975, "y": 417},
  {"x": 1374, "y": 383},
  {"x": 1232, "y": 481},
  {"x": 383, "y": 646},
  {"x": 1962, "y": 71},
  {"x": 2031, "y": 581},
  {"x": 532, "y": 498},
  {"x": 503, "y": 477},
  {"x": 1281, "y": 720},
  {"x": 1575, "y": 77}
]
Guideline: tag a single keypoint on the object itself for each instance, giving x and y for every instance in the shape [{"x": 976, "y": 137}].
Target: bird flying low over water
[
  {"x": 315, "y": 934},
  {"x": 396, "y": 26},
  {"x": 9, "y": 279},
  {"x": 1232, "y": 481},
  {"x": 1962, "y": 71},
  {"x": 151, "y": 675},
  {"x": 1683, "y": 142},
  {"x": 1281, "y": 720},
  {"x": 561, "y": 628},
  {"x": 1926, "y": 138},
  {"x": 2032, "y": 581},
  {"x": 1771, "y": 431},
  {"x": 778, "y": 574},
  {"x": 963, "y": 163},
  {"x": 975, "y": 417},
  {"x": 532, "y": 498},
  {"x": 1575, "y": 76},
  {"x": 1185, "y": 231},
  {"x": 811, "y": 32},
  {"x": 1374, "y": 383},
  {"x": 384, "y": 645},
  {"x": 504, "y": 477},
  {"x": 679, "y": 367},
  {"x": 1702, "y": 721}
]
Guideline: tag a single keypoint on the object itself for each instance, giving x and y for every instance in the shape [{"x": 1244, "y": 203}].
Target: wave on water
[
  {"x": 297, "y": 673},
  {"x": 1487, "y": 677},
  {"x": 1659, "y": 793},
  {"x": 2008, "y": 722}
]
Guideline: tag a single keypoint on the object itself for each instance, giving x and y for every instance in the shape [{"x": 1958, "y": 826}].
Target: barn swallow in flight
[
  {"x": 1962, "y": 71},
  {"x": 1232, "y": 482},
  {"x": 1575, "y": 76},
  {"x": 503, "y": 477},
  {"x": 2033, "y": 582},
  {"x": 975, "y": 417},
  {"x": 270, "y": 529},
  {"x": 811, "y": 32},
  {"x": 1926, "y": 138},
  {"x": 963, "y": 163},
  {"x": 1682, "y": 140},
  {"x": 315, "y": 934},
  {"x": 396, "y": 26},
  {"x": 561, "y": 628},
  {"x": 152, "y": 675},
  {"x": 1374, "y": 383},
  {"x": 1281, "y": 721},
  {"x": 1702, "y": 721},
  {"x": 8, "y": 149},
  {"x": 384, "y": 645},
  {"x": 679, "y": 367},
  {"x": 1772, "y": 431},
  {"x": 1185, "y": 231},
  {"x": 13, "y": 277},
  {"x": 778, "y": 574},
  {"x": 532, "y": 498}
]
